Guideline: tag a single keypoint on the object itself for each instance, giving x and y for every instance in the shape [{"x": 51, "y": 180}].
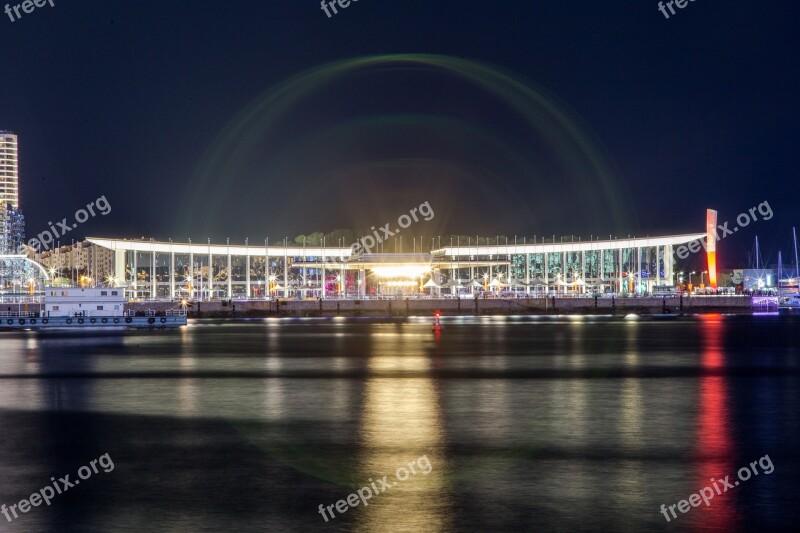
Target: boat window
[
  {"x": 103, "y": 293},
  {"x": 99, "y": 307}
]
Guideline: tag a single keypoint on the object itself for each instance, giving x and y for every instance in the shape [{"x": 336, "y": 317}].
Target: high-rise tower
[{"x": 12, "y": 222}]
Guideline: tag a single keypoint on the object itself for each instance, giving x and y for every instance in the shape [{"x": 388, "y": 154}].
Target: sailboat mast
[
  {"x": 758, "y": 254},
  {"x": 794, "y": 234}
]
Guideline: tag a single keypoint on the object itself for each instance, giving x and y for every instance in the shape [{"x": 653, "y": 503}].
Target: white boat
[
  {"x": 789, "y": 288},
  {"x": 86, "y": 307},
  {"x": 789, "y": 303}
]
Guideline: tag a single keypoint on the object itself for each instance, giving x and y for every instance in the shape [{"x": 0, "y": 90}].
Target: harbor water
[{"x": 493, "y": 424}]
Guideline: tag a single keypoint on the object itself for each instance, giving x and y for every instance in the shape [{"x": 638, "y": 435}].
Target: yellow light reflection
[
  {"x": 402, "y": 423},
  {"x": 187, "y": 388}
]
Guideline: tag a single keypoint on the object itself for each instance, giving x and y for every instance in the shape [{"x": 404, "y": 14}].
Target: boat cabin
[{"x": 87, "y": 302}]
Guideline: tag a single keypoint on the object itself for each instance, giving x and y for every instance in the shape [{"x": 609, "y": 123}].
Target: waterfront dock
[{"x": 467, "y": 307}]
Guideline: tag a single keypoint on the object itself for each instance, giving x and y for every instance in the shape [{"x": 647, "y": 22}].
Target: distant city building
[
  {"x": 81, "y": 259},
  {"x": 15, "y": 230},
  {"x": 755, "y": 279},
  {"x": 12, "y": 221}
]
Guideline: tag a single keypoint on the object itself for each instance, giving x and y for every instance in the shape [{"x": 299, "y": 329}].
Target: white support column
[
  {"x": 602, "y": 267},
  {"x": 528, "y": 271},
  {"x": 472, "y": 280},
  {"x": 322, "y": 269},
  {"x": 210, "y": 273},
  {"x": 172, "y": 275},
  {"x": 135, "y": 275},
  {"x": 191, "y": 274},
  {"x": 343, "y": 282},
  {"x": 248, "y": 290},
  {"x": 267, "y": 283},
  {"x": 658, "y": 267},
  {"x": 639, "y": 269},
  {"x": 285, "y": 271},
  {"x": 668, "y": 266},
  {"x": 583, "y": 271},
  {"x": 153, "y": 277},
  {"x": 305, "y": 261},
  {"x": 230, "y": 277},
  {"x": 119, "y": 266},
  {"x": 546, "y": 274},
  {"x": 619, "y": 287}
]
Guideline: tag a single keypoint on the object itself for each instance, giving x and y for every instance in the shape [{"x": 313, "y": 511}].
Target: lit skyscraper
[
  {"x": 9, "y": 170},
  {"x": 12, "y": 222}
]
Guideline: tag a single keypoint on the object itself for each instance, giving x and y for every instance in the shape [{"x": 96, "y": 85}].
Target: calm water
[{"x": 525, "y": 424}]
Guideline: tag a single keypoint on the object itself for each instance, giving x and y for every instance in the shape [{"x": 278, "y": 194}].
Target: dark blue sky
[{"x": 127, "y": 99}]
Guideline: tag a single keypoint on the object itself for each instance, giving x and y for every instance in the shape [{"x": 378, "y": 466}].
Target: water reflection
[
  {"x": 402, "y": 421},
  {"x": 556, "y": 424},
  {"x": 715, "y": 447},
  {"x": 188, "y": 393}
]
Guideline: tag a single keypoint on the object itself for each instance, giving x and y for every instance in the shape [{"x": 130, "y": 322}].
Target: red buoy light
[{"x": 437, "y": 326}]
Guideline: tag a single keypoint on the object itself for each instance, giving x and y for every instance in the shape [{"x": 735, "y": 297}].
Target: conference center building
[{"x": 170, "y": 270}]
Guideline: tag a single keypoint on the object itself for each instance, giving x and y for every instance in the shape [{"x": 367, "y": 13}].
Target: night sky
[{"x": 252, "y": 119}]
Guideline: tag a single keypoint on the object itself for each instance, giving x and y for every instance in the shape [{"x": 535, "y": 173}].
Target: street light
[
  {"x": 702, "y": 277},
  {"x": 690, "y": 276}
]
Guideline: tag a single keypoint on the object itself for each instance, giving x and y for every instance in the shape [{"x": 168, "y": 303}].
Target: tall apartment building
[{"x": 12, "y": 221}]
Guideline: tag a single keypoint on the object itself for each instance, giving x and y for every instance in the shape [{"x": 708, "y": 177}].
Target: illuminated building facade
[{"x": 163, "y": 270}]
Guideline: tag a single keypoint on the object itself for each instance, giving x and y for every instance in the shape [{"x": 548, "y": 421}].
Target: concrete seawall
[{"x": 453, "y": 307}]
